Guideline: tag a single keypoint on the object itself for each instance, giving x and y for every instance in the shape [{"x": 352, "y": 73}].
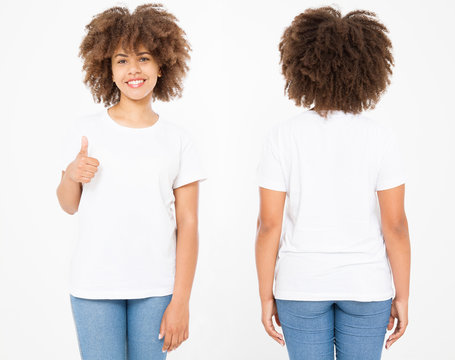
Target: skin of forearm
[
  {"x": 186, "y": 259},
  {"x": 69, "y": 194},
  {"x": 399, "y": 253},
  {"x": 267, "y": 243}
]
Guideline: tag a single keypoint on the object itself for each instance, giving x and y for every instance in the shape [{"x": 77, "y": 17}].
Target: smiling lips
[{"x": 135, "y": 83}]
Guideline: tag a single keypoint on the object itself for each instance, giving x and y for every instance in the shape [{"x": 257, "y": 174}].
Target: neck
[{"x": 134, "y": 110}]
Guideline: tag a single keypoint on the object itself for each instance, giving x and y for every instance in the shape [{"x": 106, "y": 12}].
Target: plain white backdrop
[{"x": 233, "y": 94}]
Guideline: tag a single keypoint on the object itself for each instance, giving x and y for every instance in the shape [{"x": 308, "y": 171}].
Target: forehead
[{"x": 120, "y": 50}]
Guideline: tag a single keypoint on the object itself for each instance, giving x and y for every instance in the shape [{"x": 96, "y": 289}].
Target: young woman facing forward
[
  {"x": 132, "y": 176},
  {"x": 332, "y": 166}
]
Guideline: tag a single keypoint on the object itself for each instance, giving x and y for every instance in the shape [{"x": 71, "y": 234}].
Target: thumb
[
  {"x": 391, "y": 322},
  {"x": 277, "y": 320},
  {"x": 84, "y": 146},
  {"x": 162, "y": 331}
]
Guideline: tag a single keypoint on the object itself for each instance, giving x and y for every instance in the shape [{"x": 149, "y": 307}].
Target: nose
[{"x": 134, "y": 67}]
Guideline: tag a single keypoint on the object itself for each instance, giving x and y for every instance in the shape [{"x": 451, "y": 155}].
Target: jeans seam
[{"x": 77, "y": 333}]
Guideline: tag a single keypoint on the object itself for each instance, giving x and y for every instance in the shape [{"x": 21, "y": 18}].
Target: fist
[{"x": 83, "y": 168}]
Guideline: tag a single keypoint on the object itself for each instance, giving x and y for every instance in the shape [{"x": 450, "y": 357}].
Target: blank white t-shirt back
[
  {"x": 127, "y": 227},
  {"x": 331, "y": 246}
]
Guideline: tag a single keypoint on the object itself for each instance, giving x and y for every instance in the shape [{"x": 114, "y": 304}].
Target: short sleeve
[
  {"x": 270, "y": 173},
  {"x": 191, "y": 167},
  {"x": 70, "y": 145},
  {"x": 392, "y": 172}
]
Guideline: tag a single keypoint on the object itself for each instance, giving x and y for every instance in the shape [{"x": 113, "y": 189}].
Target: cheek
[
  {"x": 117, "y": 74},
  {"x": 153, "y": 81},
  {"x": 151, "y": 69}
]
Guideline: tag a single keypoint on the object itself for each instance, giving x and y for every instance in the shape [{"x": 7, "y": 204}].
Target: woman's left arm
[
  {"x": 174, "y": 325},
  {"x": 267, "y": 243}
]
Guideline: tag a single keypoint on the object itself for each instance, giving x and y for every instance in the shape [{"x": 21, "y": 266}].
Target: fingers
[
  {"x": 175, "y": 342},
  {"x": 167, "y": 342},
  {"x": 91, "y": 168},
  {"x": 270, "y": 329},
  {"x": 87, "y": 173},
  {"x": 87, "y": 160},
  {"x": 399, "y": 331},
  {"x": 91, "y": 161},
  {"x": 84, "y": 180},
  {"x": 172, "y": 340},
  {"x": 85, "y": 176},
  {"x": 86, "y": 169}
]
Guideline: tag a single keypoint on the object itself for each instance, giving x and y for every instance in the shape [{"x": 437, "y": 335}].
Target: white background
[{"x": 233, "y": 94}]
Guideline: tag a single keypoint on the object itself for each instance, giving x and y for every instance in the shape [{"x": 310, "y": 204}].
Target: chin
[{"x": 137, "y": 96}]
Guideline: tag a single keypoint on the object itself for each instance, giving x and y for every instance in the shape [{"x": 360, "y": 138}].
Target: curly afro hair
[
  {"x": 336, "y": 63},
  {"x": 149, "y": 25}
]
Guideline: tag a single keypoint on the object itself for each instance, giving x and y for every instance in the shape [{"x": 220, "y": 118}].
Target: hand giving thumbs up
[{"x": 83, "y": 168}]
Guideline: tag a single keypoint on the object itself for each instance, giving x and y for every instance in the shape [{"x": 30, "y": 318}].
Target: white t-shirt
[
  {"x": 331, "y": 245},
  {"x": 126, "y": 246}
]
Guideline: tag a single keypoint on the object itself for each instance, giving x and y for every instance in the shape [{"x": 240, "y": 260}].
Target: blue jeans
[
  {"x": 119, "y": 329},
  {"x": 312, "y": 328}
]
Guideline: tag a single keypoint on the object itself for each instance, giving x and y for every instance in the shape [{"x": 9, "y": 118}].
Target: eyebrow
[{"x": 141, "y": 53}]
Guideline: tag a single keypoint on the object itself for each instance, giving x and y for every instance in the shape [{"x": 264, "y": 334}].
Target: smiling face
[{"x": 134, "y": 74}]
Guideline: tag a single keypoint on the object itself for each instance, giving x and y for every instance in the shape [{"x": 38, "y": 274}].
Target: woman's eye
[{"x": 142, "y": 59}]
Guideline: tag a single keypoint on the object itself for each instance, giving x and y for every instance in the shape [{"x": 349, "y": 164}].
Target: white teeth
[{"x": 135, "y": 82}]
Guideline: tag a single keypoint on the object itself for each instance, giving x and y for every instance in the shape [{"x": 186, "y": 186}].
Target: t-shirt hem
[
  {"x": 390, "y": 184},
  {"x": 271, "y": 186},
  {"x": 127, "y": 294},
  {"x": 189, "y": 180},
  {"x": 291, "y": 295}
]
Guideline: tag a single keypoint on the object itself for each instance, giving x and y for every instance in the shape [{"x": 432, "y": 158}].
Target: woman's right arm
[
  {"x": 396, "y": 237},
  {"x": 79, "y": 171},
  {"x": 69, "y": 193}
]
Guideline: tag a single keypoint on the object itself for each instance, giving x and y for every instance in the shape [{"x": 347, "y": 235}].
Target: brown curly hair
[
  {"x": 334, "y": 62},
  {"x": 149, "y": 25}
]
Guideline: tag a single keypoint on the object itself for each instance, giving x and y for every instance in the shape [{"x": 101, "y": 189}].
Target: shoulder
[
  {"x": 377, "y": 129},
  {"x": 285, "y": 128},
  {"x": 85, "y": 121},
  {"x": 92, "y": 119},
  {"x": 174, "y": 131}
]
